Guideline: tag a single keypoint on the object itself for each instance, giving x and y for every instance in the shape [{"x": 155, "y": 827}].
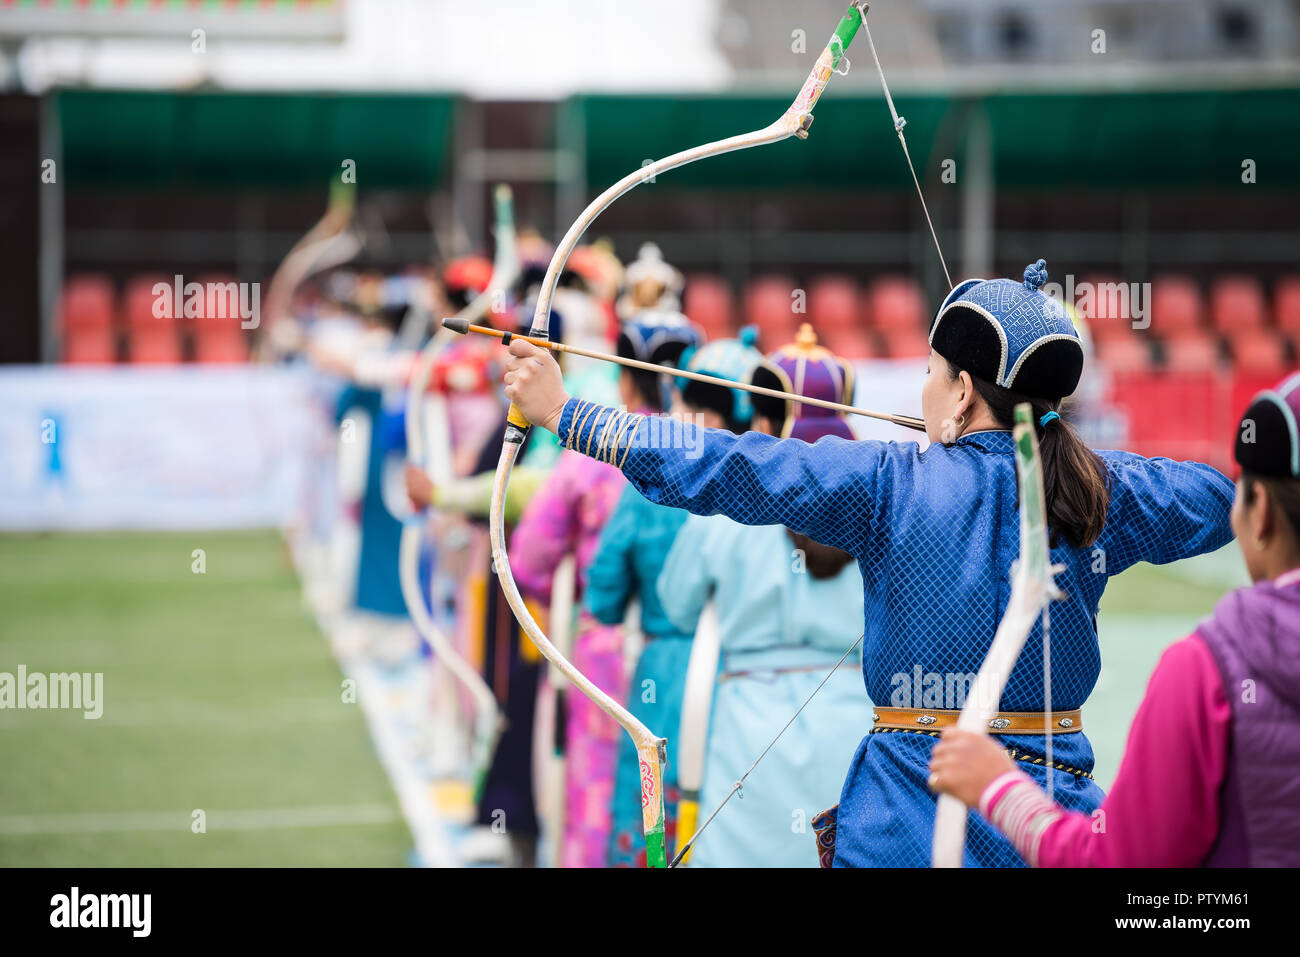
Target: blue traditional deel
[
  {"x": 1011, "y": 334},
  {"x": 805, "y": 368},
  {"x": 733, "y": 359}
]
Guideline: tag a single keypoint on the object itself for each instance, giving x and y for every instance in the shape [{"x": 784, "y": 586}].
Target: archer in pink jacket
[{"x": 1211, "y": 773}]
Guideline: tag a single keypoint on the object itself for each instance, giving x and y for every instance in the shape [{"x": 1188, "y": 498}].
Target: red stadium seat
[
  {"x": 907, "y": 344},
  {"x": 1258, "y": 352},
  {"x": 86, "y": 320},
  {"x": 1103, "y": 303},
  {"x": 1286, "y": 304},
  {"x": 707, "y": 301},
  {"x": 833, "y": 303},
  {"x": 1124, "y": 354},
  {"x": 151, "y": 339},
  {"x": 851, "y": 343},
  {"x": 769, "y": 305},
  {"x": 1176, "y": 308},
  {"x": 895, "y": 303},
  {"x": 1192, "y": 354},
  {"x": 1237, "y": 302},
  {"x": 219, "y": 339}
]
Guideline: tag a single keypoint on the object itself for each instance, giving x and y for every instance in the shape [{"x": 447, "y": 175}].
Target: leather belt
[{"x": 1004, "y": 722}]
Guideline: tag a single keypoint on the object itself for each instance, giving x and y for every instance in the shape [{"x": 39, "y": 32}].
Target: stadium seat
[
  {"x": 1258, "y": 352},
  {"x": 707, "y": 301},
  {"x": 86, "y": 320},
  {"x": 769, "y": 302},
  {"x": 1237, "y": 302},
  {"x": 1286, "y": 304},
  {"x": 850, "y": 343},
  {"x": 1192, "y": 354},
  {"x": 1176, "y": 307},
  {"x": 906, "y": 344},
  {"x": 833, "y": 303},
  {"x": 1124, "y": 354},
  {"x": 895, "y": 303},
  {"x": 150, "y": 339},
  {"x": 217, "y": 339},
  {"x": 1105, "y": 307}
]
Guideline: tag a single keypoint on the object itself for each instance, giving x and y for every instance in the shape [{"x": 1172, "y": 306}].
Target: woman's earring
[{"x": 960, "y": 421}]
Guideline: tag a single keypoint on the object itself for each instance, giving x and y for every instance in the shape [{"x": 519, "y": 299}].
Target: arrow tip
[{"x": 456, "y": 325}]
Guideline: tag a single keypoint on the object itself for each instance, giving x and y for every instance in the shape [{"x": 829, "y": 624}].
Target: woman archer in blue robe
[{"x": 934, "y": 533}]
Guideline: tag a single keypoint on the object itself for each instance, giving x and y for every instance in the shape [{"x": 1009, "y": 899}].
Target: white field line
[
  {"x": 233, "y": 715},
  {"x": 258, "y": 819}
]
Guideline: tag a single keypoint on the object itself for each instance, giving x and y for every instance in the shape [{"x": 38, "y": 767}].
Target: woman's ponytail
[{"x": 1074, "y": 483}]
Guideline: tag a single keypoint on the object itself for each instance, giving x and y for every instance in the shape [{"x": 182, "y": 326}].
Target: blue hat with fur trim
[{"x": 1011, "y": 334}]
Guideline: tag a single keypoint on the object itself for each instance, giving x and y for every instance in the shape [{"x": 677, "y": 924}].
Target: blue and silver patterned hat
[
  {"x": 659, "y": 336},
  {"x": 733, "y": 359},
  {"x": 1010, "y": 334}
]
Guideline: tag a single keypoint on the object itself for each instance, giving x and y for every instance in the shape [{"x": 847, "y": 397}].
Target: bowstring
[
  {"x": 738, "y": 787},
  {"x": 899, "y": 123}
]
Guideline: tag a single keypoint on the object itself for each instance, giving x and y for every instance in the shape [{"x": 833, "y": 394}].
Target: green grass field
[{"x": 219, "y": 692}]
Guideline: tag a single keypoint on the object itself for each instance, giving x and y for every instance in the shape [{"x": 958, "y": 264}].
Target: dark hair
[
  {"x": 1075, "y": 481},
  {"x": 647, "y": 386},
  {"x": 1282, "y": 492},
  {"x": 714, "y": 398},
  {"x": 822, "y": 561}
]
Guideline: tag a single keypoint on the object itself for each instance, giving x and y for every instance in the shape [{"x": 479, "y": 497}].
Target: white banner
[{"x": 187, "y": 447}]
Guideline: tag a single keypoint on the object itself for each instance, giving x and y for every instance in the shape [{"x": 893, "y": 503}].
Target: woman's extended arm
[
  {"x": 823, "y": 490},
  {"x": 1162, "y": 510}
]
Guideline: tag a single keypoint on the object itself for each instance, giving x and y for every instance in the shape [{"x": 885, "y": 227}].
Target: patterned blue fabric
[
  {"x": 633, "y": 545},
  {"x": 1011, "y": 333},
  {"x": 934, "y": 534},
  {"x": 1024, "y": 316}
]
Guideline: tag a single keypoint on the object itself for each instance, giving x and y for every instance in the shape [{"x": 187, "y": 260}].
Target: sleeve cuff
[
  {"x": 996, "y": 789},
  {"x": 598, "y": 431}
]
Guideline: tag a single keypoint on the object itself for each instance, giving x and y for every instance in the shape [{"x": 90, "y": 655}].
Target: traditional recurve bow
[
  {"x": 794, "y": 122},
  {"x": 488, "y": 722}
]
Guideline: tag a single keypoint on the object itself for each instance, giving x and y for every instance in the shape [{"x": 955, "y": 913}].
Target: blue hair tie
[{"x": 1049, "y": 417}]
